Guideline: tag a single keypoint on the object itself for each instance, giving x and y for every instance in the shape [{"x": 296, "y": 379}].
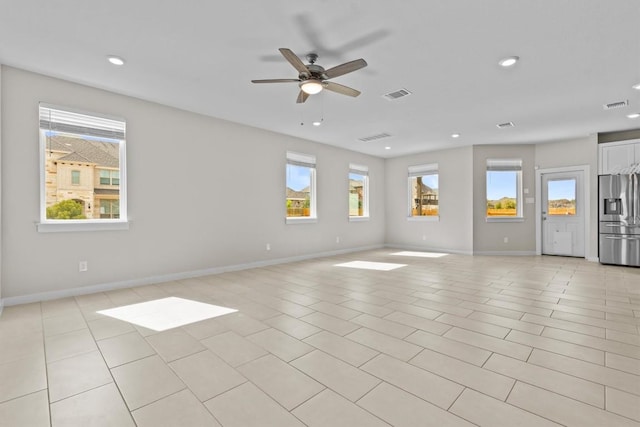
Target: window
[
  {"x": 504, "y": 188},
  {"x": 109, "y": 177},
  {"x": 301, "y": 188},
  {"x": 358, "y": 191},
  {"x": 424, "y": 199},
  {"x": 109, "y": 208},
  {"x": 75, "y": 177},
  {"x": 81, "y": 154}
]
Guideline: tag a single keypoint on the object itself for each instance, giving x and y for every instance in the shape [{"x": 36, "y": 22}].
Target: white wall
[
  {"x": 1, "y": 300},
  {"x": 577, "y": 152},
  {"x": 454, "y": 231},
  {"x": 192, "y": 211},
  {"x": 203, "y": 194}
]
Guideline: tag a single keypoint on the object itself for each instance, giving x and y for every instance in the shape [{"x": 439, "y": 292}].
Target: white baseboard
[
  {"x": 427, "y": 249},
  {"x": 593, "y": 259},
  {"x": 64, "y": 293},
  {"x": 506, "y": 253}
]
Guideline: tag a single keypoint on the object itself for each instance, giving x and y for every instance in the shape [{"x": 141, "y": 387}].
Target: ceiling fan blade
[
  {"x": 294, "y": 60},
  {"x": 345, "y": 68},
  {"x": 275, "y": 81},
  {"x": 302, "y": 96},
  {"x": 338, "y": 88}
]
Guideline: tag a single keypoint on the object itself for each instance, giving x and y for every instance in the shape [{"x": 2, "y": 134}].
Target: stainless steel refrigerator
[{"x": 619, "y": 214}]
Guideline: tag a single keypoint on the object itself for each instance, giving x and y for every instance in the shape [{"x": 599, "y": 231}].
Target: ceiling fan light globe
[{"x": 311, "y": 87}]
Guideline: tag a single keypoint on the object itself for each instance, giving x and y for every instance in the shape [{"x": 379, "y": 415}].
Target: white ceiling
[{"x": 576, "y": 55}]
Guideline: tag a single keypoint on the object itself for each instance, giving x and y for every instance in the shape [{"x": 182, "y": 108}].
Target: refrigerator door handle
[{"x": 621, "y": 238}]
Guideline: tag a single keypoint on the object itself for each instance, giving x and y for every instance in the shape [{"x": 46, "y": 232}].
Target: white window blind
[
  {"x": 504, "y": 164},
  {"x": 299, "y": 159},
  {"x": 358, "y": 169},
  {"x": 420, "y": 170},
  {"x": 66, "y": 121}
]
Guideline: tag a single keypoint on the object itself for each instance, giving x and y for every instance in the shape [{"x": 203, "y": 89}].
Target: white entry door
[{"x": 563, "y": 213}]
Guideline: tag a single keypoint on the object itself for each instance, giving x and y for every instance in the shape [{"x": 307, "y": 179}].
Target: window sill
[
  {"x": 433, "y": 218},
  {"x": 505, "y": 219},
  {"x": 358, "y": 218},
  {"x": 71, "y": 226},
  {"x": 301, "y": 220}
]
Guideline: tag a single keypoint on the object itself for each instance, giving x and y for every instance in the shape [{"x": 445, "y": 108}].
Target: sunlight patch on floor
[
  {"x": 420, "y": 254},
  {"x": 368, "y": 265},
  {"x": 166, "y": 313}
]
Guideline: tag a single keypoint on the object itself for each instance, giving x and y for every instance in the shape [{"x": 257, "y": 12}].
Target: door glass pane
[{"x": 561, "y": 197}]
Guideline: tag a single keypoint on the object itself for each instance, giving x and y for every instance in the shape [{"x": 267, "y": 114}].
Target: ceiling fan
[{"x": 312, "y": 78}]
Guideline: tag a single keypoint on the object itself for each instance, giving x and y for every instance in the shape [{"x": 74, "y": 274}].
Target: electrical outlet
[
  {"x": 268, "y": 246},
  {"x": 83, "y": 266},
  {"x": 338, "y": 239},
  {"x": 506, "y": 240},
  {"x": 424, "y": 237}
]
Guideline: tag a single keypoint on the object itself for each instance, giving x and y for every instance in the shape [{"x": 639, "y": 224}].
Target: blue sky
[
  {"x": 501, "y": 184},
  {"x": 562, "y": 189},
  {"x": 298, "y": 177},
  {"x": 430, "y": 181}
]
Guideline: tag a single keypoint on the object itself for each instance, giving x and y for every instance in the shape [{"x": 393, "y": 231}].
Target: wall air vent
[
  {"x": 392, "y": 96},
  {"x": 505, "y": 125},
  {"x": 618, "y": 104},
  {"x": 374, "y": 137}
]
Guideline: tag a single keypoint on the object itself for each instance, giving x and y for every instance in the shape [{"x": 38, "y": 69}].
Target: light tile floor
[{"x": 455, "y": 340}]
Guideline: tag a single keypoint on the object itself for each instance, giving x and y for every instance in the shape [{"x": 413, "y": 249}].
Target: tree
[{"x": 66, "y": 209}]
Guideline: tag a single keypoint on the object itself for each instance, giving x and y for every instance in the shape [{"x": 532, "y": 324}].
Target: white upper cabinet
[{"x": 615, "y": 157}]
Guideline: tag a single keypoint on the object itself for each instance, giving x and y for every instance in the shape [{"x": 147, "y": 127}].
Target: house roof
[{"x": 85, "y": 150}]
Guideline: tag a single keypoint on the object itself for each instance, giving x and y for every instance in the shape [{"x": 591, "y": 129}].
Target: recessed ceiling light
[
  {"x": 508, "y": 61},
  {"x": 455, "y": 135},
  {"x": 115, "y": 60},
  {"x": 317, "y": 123},
  {"x": 633, "y": 115},
  {"x": 636, "y": 86},
  {"x": 387, "y": 148}
]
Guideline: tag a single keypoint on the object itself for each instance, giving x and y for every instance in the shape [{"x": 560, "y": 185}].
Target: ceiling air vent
[
  {"x": 392, "y": 96},
  {"x": 505, "y": 125},
  {"x": 618, "y": 104},
  {"x": 374, "y": 137}
]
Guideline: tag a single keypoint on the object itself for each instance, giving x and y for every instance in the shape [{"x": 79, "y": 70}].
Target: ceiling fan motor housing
[{"x": 317, "y": 72}]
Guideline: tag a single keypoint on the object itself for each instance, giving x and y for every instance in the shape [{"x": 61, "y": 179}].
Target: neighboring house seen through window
[
  {"x": 301, "y": 187},
  {"x": 358, "y": 191},
  {"x": 82, "y": 167},
  {"x": 504, "y": 188},
  {"x": 424, "y": 200}
]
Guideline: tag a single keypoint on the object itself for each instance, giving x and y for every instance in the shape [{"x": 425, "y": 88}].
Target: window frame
[
  {"x": 74, "y": 174},
  {"x": 309, "y": 161},
  {"x": 414, "y": 172},
  {"x": 96, "y": 125},
  {"x": 505, "y": 165},
  {"x": 363, "y": 171}
]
